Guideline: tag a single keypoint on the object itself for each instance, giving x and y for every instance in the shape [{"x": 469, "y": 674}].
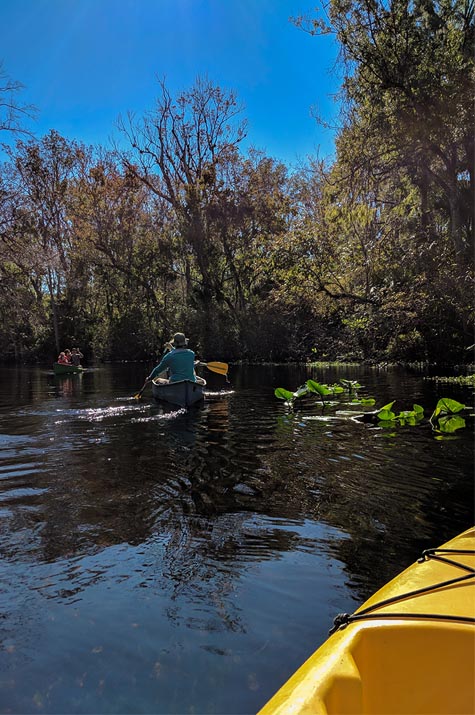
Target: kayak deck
[
  {"x": 183, "y": 393},
  {"x": 409, "y": 649}
]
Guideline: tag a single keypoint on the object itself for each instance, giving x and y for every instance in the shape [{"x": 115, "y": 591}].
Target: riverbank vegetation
[{"x": 367, "y": 256}]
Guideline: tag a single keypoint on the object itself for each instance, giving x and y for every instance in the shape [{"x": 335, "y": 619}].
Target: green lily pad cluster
[
  {"x": 324, "y": 391},
  {"x": 388, "y": 418},
  {"x": 445, "y": 418}
]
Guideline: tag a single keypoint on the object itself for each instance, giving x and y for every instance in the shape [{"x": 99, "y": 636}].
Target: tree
[
  {"x": 409, "y": 93},
  {"x": 249, "y": 210},
  {"x": 122, "y": 234},
  {"x": 12, "y": 111},
  {"x": 403, "y": 179},
  {"x": 176, "y": 151},
  {"x": 41, "y": 176}
]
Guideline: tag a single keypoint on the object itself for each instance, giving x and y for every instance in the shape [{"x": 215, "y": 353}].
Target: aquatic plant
[
  {"x": 350, "y": 385},
  {"x": 287, "y": 396},
  {"x": 406, "y": 417},
  {"x": 323, "y": 391},
  {"x": 445, "y": 418},
  {"x": 465, "y": 380}
]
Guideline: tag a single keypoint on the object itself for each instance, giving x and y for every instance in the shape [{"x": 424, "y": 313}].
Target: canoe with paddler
[{"x": 182, "y": 386}]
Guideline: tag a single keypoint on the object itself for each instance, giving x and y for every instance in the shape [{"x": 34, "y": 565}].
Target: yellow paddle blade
[
  {"x": 139, "y": 394},
  {"x": 220, "y": 367}
]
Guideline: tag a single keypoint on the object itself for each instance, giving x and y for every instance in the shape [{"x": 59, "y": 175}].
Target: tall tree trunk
[
  {"x": 456, "y": 227},
  {"x": 54, "y": 311}
]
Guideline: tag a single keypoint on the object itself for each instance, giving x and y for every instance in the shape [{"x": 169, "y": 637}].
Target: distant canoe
[
  {"x": 60, "y": 369},
  {"x": 182, "y": 393}
]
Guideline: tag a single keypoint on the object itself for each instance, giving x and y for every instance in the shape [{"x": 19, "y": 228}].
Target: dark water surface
[{"x": 160, "y": 561}]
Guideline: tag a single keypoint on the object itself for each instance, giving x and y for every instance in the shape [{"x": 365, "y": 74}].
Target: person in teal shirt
[{"x": 180, "y": 363}]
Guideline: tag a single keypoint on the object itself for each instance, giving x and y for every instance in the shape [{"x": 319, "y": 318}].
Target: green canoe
[{"x": 60, "y": 369}]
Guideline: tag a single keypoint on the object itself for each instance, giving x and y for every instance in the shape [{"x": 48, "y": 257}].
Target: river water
[{"x": 154, "y": 560}]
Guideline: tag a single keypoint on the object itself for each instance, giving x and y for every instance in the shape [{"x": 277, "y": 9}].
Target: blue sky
[{"x": 84, "y": 62}]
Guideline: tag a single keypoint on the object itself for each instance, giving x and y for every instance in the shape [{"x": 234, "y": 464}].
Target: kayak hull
[
  {"x": 183, "y": 393},
  {"x": 59, "y": 369},
  {"x": 415, "y": 655}
]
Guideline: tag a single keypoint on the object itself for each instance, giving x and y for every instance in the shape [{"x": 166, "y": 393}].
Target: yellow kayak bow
[{"x": 409, "y": 649}]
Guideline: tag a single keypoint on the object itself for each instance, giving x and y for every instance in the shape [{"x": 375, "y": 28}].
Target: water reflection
[{"x": 68, "y": 385}]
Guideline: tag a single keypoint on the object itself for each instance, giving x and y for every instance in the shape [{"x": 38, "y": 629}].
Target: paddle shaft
[
  {"x": 168, "y": 347},
  {"x": 139, "y": 394}
]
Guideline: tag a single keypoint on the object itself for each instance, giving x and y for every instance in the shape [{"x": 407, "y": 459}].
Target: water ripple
[{"x": 142, "y": 547}]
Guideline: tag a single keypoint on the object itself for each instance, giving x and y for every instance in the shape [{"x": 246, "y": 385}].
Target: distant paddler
[{"x": 76, "y": 357}]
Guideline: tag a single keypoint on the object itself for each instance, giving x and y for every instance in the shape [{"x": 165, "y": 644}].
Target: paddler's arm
[{"x": 162, "y": 365}]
